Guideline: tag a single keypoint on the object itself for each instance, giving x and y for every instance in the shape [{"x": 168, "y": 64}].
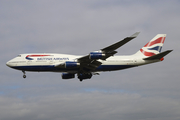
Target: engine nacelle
[
  {"x": 82, "y": 76},
  {"x": 96, "y": 55},
  {"x": 70, "y": 64},
  {"x": 68, "y": 75}
]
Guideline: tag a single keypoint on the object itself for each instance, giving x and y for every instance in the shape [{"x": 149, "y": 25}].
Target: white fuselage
[
  {"x": 47, "y": 62},
  {"x": 88, "y": 65}
]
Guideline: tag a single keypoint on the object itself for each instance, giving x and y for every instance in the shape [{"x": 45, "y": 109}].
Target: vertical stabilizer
[{"x": 153, "y": 47}]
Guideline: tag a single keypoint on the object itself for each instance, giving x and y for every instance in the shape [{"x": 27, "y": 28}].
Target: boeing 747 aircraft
[{"x": 88, "y": 65}]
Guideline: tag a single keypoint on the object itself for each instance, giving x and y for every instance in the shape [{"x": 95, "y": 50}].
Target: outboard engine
[{"x": 96, "y": 55}]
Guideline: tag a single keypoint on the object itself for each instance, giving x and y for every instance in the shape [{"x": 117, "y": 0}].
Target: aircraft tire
[{"x": 24, "y": 76}]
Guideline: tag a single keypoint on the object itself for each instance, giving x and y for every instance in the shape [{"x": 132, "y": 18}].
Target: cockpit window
[{"x": 19, "y": 55}]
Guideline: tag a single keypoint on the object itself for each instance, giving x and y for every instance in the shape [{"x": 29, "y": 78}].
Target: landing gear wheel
[{"x": 24, "y": 76}]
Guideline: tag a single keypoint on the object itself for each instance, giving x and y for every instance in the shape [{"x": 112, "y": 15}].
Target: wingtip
[
  {"x": 135, "y": 34},
  {"x": 170, "y": 50}
]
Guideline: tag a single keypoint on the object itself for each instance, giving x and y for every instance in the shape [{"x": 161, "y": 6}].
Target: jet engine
[
  {"x": 70, "y": 64},
  {"x": 96, "y": 55},
  {"x": 68, "y": 75}
]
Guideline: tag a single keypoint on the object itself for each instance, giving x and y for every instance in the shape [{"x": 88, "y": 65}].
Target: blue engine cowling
[
  {"x": 96, "y": 55},
  {"x": 68, "y": 75},
  {"x": 70, "y": 64}
]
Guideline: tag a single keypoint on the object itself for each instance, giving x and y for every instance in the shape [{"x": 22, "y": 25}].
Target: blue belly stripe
[{"x": 54, "y": 69}]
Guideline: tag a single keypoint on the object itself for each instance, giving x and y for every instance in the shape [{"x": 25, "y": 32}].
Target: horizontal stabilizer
[{"x": 158, "y": 56}]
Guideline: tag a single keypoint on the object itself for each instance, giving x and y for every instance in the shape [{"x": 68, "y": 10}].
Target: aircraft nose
[{"x": 9, "y": 64}]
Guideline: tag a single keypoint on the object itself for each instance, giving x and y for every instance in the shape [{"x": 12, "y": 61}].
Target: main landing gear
[
  {"x": 24, "y": 76},
  {"x": 82, "y": 76}
]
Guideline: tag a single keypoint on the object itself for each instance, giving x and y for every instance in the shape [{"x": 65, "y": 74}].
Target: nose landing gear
[{"x": 24, "y": 76}]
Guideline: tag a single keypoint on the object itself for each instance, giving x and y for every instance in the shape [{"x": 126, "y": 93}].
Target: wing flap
[{"x": 92, "y": 65}]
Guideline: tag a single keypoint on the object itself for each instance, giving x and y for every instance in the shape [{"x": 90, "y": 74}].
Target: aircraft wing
[
  {"x": 120, "y": 43},
  {"x": 91, "y": 62}
]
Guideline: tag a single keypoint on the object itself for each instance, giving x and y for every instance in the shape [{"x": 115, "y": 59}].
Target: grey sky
[{"x": 149, "y": 92}]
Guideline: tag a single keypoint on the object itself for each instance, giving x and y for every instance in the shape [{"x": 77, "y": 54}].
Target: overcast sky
[{"x": 150, "y": 92}]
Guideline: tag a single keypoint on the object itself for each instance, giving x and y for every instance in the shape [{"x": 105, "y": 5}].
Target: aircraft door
[
  {"x": 51, "y": 62},
  {"x": 135, "y": 61},
  {"x": 29, "y": 62}
]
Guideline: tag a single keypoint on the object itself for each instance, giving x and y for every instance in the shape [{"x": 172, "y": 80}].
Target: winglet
[{"x": 135, "y": 35}]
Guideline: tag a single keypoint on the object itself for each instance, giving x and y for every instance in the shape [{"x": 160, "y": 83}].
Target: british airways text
[{"x": 52, "y": 58}]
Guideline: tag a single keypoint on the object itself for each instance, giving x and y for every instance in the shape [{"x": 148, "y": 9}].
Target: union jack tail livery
[{"x": 153, "y": 47}]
